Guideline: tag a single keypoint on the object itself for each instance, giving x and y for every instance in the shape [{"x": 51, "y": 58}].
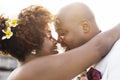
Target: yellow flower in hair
[
  {"x": 8, "y": 33},
  {"x": 7, "y": 30},
  {"x": 7, "y": 24},
  {"x": 13, "y": 22}
]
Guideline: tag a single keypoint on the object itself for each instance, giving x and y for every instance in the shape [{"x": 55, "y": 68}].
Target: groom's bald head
[
  {"x": 76, "y": 23},
  {"x": 75, "y": 12}
]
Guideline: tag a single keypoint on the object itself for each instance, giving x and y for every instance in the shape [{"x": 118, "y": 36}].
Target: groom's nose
[{"x": 60, "y": 39}]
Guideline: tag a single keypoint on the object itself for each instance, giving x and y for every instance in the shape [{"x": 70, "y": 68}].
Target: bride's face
[{"x": 49, "y": 45}]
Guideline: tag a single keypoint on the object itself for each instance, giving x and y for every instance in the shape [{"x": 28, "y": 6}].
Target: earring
[{"x": 33, "y": 52}]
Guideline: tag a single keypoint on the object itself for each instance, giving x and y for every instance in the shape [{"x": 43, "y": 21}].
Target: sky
[{"x": 106, "y": 12}]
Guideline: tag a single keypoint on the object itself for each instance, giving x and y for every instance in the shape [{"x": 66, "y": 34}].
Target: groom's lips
[
  {"x": 63, "y": 43},
  {"x": 65, "y": 46}
]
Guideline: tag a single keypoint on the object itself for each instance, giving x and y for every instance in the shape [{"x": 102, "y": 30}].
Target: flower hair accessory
[{"x": 7, "y": 28}]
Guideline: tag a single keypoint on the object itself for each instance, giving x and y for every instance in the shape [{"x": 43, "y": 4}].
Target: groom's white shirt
[{"x": 110, "y": 65}]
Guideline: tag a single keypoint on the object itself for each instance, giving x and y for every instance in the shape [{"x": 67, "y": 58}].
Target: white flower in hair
[
  {"x": 11, "y": 23},
  {"x": 7, "y": 30},
  {"x": 8, "y": 33}
]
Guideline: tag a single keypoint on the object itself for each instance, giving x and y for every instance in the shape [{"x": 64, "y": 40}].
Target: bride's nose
[{"x": 54, "y": 41}]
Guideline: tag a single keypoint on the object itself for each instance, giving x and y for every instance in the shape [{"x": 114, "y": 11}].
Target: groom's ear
[{"x": 85, "y": 26}]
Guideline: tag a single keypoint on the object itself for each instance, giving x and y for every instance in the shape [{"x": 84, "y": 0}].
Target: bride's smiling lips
[{"x": 55, "y": 49}]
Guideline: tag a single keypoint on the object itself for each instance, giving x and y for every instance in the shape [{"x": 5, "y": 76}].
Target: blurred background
[{"x": 107, "y": 15}]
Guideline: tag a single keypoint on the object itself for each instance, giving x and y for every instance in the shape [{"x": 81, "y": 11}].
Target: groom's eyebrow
[{"x": 57, "y": 22}]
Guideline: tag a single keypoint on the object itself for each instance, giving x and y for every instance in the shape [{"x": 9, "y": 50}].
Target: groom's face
[
  {"x": 70, "y": 33},
  {"x": 75, "y": 26}
]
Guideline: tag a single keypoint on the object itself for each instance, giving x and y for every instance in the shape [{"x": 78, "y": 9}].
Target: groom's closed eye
[{"x": 61, "y": 32}]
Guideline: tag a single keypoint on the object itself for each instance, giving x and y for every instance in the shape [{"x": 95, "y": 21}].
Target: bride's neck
[{"x": 28, "y": 59}]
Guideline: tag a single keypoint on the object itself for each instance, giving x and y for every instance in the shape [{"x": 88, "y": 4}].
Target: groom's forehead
[
  {"x": 62, "y": 23},
  {"x": 58, "y": 23}
]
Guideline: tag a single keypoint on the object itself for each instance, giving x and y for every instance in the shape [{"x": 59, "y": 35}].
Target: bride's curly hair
[{"x": 28, "y": 35}]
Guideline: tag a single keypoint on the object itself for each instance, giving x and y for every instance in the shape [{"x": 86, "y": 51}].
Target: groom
[{"x": 75, "y": 24}]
